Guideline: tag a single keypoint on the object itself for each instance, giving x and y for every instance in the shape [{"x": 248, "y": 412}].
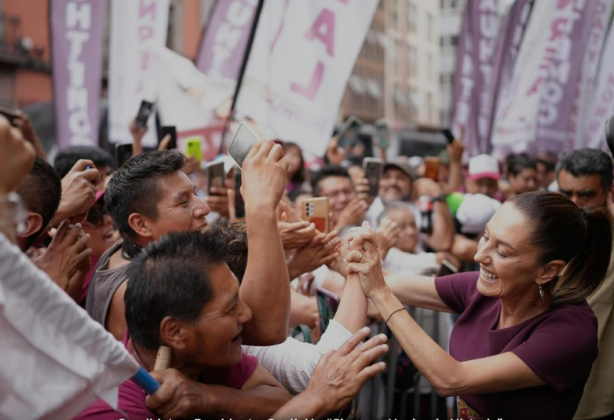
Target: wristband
[
  {"x": 441, "y": 198},
  {"x": 394, "y": 312}
]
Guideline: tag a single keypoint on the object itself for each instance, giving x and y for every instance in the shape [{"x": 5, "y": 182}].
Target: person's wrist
[
  {"x": 379, "y": 294},
  {"x": 318, "y": 404},
  {"x": 208, "y": 402}
]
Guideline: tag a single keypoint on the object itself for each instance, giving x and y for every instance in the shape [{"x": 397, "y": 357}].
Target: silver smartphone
[{"x": 241, "y": 144}]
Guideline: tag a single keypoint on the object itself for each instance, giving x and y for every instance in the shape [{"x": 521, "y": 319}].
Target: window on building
[
  {"x": 413, "y": 61},
  {"x": 412, "y": 18},
  {"x": 430, "y": 112}
]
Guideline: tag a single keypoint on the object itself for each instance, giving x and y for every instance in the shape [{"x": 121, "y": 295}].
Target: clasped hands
[{"x": 364, "y": 260}]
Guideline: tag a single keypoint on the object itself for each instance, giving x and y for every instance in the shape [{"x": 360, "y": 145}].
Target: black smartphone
[
  {"x": 9, "y": 114},
  {"x": 123, "y": 152},
  {"x": 169, "y": 129},
  {"x": 348, "y": 133},
  {"x": 145, "y": 111},
  {"x": 373, "y": 172},
  {"x": 383, "y": 133},
  {"x": 239, "y": 203},
  {"x": 215, "y": 176},
  {"x": 447, "y": 133},
  {"x": 328, "y": 303},
  {"x": 609, "y": 134},
  {"x": 447, "y": 269}
]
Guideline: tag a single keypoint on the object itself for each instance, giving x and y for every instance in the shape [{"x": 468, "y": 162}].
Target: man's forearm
[
  {"x": 266, "y": 286},
  {"x": 443, "y": 229},
  {"x": 256, "y": 403},
  {"x": 304, "y": 406}
]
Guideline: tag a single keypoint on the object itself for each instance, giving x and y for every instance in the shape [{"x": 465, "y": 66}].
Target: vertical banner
[
  {"x": 510, "y": 39},
  {"x": 77, "y": 34},
  {"x": 224, "y": 39},
  {"x": 474, "y": 80},
  {"x": 601, "y": 101},
  {"x": 134, "y": 25},
  {"x": 598, "y": 27},
  {"x": 301, "y": 60},
  {"x": 545, "y": 78}
]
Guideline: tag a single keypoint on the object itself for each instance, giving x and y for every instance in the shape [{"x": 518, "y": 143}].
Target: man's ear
[
  {"x": 33, "y": 224},
  {"x": 173, "y": 332},
  {"x": 551, "y": 271},
  {"x": 141, "y": 225}
]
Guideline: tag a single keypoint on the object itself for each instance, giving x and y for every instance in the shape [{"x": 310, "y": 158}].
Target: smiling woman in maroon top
[{"x": 526, "y": 339}]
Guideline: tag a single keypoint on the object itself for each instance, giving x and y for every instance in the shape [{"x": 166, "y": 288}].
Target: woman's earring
[{"x": 541, "y": 291}]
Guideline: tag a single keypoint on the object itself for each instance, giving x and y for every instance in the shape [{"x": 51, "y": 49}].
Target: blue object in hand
[{"x": 146, "y": 381}]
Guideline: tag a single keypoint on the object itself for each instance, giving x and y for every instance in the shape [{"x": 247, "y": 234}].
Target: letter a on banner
[
  {"x": 301, "y": 59},
  {"x": 77, "y": 34}
]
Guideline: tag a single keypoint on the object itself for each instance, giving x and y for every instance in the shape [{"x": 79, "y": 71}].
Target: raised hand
[
  {"x": 387, "y": 235},
  {"x": 321, "y": 250},
  {"x": 364, "y": 259},
  {"x": 264, "y": 177},
  {"x": 78, "y": 190}
]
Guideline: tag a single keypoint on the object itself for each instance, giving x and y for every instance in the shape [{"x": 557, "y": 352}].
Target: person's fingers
[
  {"x": 73, "y": 234},
  {"x": 81, "y": 164},
  {"x": 369, "y": 247},
  {"x": 301, "y": 227},
  {"x": 232, "y": 211},
  {"x": 351, "y": 343},
  {"x": 86, "y": 253},
  {"x": 357, "y": 268},
  {"x": 369, "y": 372},
  {"x": 354, "y": 256},
  {"x": 165, "y": 142},
  {"x": 329, "y": 259},
  {"x": 80, "y": 244},
  {"x": 254, "y": 150},
  {"x": 61, "y": 232},
  {"x": 219, "y": 191},
  {"x": 91, "y": 175},
  {"x": 366, "y": 357},
  {"x": 276, "y": 153},
  {"x": 265, "y": 149}
]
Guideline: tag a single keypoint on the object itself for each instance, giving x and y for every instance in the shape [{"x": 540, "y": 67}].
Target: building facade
[{"x": 396, "y": 74}]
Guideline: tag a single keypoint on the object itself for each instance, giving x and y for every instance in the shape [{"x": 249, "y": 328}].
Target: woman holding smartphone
[{"x": 526, "y": 339}]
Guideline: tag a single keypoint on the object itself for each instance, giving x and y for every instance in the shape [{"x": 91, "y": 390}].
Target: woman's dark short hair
[
  {"x": 134, "y": 187},
  {"x": 582, "y": 237},
  {"x": 587, "y": 162},
  {"x": 66, "y": 158},
  {"x": 170, "y": 277}
]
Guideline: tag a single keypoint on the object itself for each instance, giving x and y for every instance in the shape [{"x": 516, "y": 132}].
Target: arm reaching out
[{"x": 266, "y": 276}]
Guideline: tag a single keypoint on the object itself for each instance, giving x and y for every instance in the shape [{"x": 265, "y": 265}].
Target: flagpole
[{"x": 248, "y": 50}]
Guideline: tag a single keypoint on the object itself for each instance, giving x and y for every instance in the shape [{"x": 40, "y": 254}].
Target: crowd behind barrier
[{"x": 274, "y": 288}]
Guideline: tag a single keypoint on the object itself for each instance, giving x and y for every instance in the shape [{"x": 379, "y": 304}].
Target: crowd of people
[{"x": 160, "y": 258}]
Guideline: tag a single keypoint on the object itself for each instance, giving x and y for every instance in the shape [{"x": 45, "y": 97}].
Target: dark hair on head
[
  {"x": 234, "y": 236},
  {"x": 547, "y": 159},
  {"x": 587, "y": 162},
  {"x": 563, "y": 231},
  {"x": 66, "y": 158},
  {"x": 327, "y": 172},
  {"x": 41, "y": 192},
  {"x": 518, "y": 163},
  {"x": 134, "y": 189},
  {"x": 170, "y": 277},
  {"x": 299, "y": 177}
]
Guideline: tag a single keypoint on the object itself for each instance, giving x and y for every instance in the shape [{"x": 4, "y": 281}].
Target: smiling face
[
  {"x": 215, "y": 338},
  {"x": 179, "y": 209},
  {"x": 395, "y": 185},
  {"x": 508, "y": 262}
]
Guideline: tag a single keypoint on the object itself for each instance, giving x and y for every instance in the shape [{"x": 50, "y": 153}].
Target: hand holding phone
[
  {"x": 172, "y": 131},
  {"x": 241, "y": 144},
  {"x": 123, "y": 152},
  {"x": 447, "y": 133},
  {"x": 373, "y": 173},
  {"x": 145, "y": 110},
  {"x": 316, "y": 211},
  {"x": 348, "y": 133},
  {"x": 216, "y": 176},
  {"x": 193, "y": 148}
]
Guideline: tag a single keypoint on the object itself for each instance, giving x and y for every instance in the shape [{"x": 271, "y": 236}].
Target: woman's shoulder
[{"x": 577, "y": 313}]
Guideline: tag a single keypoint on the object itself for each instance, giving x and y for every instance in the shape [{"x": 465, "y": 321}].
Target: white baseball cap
[
  {"x": 484, "y": 166},
  {"x": 475, "y": 212}
]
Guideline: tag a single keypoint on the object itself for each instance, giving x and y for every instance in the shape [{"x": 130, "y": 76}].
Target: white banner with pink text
[
  {"x": 134, "y": 25},
  {"x": 299, "y": 65}
]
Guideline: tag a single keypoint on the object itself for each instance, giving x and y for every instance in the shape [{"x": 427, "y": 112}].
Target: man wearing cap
[
  {"x": 484, "y": 176},
  {"x": 397, "y": 185}
]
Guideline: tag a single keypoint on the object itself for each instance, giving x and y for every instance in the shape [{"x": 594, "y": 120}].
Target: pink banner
[{"x": 77, "y": 33}]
